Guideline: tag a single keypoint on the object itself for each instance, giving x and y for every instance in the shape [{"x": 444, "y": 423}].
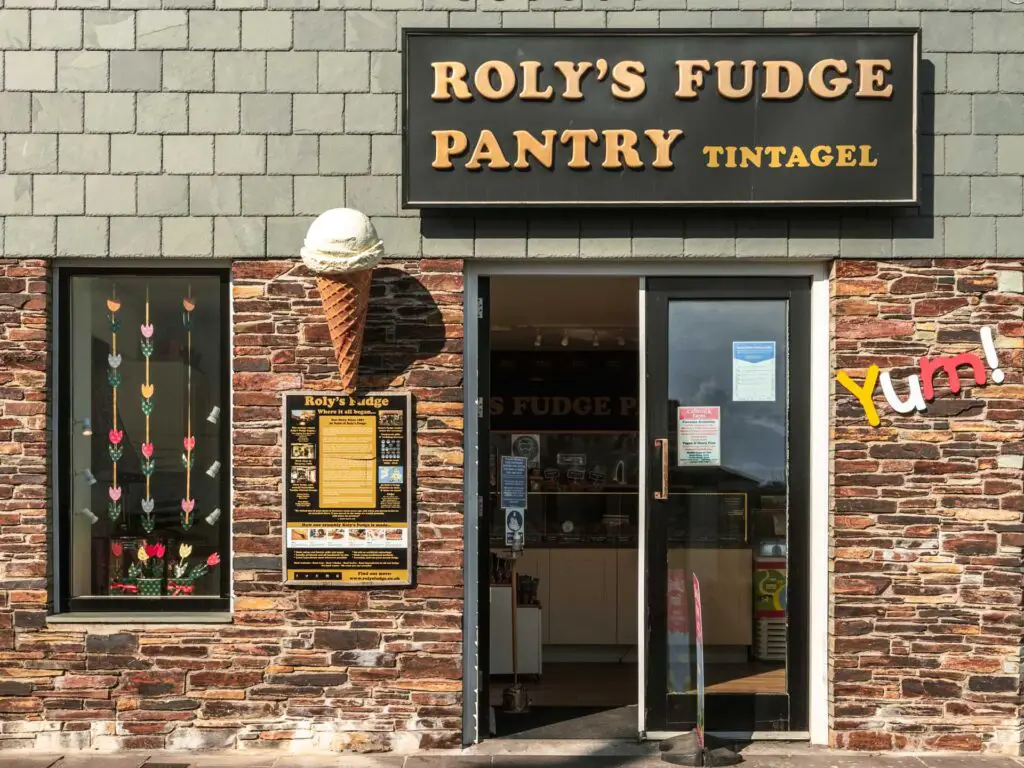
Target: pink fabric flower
[
  {"x": 190, "y": 443},
  {"x": 147, "y": 330},
  {"x": 114, "y": 493},
  {"x": 188, "y": 505},
  {"x": 116, "y": 548},
  {"x": 147, "y": 450},
  {"x": 213, "y": 560},
  {"x": 115, "y": 435},
  {"x": 155, "y": 550}
]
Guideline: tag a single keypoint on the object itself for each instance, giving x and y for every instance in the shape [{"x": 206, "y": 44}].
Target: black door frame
[
  {"x": 484, "y": 511},
  {"x": 797, "y": 291}
]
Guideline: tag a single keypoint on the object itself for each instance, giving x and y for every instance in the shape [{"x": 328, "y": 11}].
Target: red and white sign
[{"x": 699, "y": 431}]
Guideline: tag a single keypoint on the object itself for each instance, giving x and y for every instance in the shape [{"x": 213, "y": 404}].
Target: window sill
[{"x": 134, "y": 618}]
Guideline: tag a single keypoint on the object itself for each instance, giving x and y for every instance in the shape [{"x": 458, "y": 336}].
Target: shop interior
[{"x": 564, "y": 392}]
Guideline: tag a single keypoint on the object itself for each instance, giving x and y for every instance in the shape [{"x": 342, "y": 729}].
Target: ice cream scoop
[
  {"x": 342, "y": 248},
  {"x": 340, "y": 241}
]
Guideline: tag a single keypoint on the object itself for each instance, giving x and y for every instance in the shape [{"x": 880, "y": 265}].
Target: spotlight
[
  {"x": 214, "y": 416},
  {"x": 565, "y": 339},
  {"x": 86, "y": 426},
  {"x": 88, "y": 515},
  {"x": 90, "y": 478},
  {"x": 214, "y": 469},
  {"x": 621, "y": 341},
  {"x": 537, "y": 341},
  {"x": 213, "y": 517},
  {"x": 596, "y": 342}
]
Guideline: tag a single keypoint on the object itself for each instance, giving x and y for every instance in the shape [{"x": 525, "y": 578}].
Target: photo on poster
[
  {"x": 303, "y": 475},
  {"x": 392, "y": 475},
  {"x": 303, "y": 416},
  {"x": 391, "y": 418},
  {"x": 303, "y": 451},
  {"x": 753, "y": 371}
]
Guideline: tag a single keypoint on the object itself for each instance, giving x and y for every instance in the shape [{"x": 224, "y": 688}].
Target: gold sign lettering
[{"x": 635, "y": 149}]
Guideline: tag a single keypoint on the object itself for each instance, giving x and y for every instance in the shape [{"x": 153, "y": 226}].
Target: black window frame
[{"x": 64, "y": 423}]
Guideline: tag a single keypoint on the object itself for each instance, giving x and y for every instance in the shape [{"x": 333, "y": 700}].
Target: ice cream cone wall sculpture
[{"x": 341, "y": 249}]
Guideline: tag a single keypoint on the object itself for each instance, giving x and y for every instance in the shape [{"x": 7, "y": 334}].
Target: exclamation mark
[{"x": 990, "y": 355}]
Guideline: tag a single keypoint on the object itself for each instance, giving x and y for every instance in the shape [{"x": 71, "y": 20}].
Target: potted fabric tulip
[
  {"x": 119, "y": 585},
  {"x": 184, "y": 574},
  {"x": 148, "y": 571}
]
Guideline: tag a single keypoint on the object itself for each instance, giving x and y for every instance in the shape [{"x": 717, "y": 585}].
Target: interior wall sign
[
  {"x": 707, "y": 117},
  {"x": 921, "y": 389}
]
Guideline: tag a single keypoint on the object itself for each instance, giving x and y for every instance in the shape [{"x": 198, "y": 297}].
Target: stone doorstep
[{"x": 763, "y": 756}]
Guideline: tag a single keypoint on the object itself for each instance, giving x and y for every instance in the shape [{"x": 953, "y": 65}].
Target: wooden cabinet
[
  {"x": 528, "y": 635},
  {"x": 589, "y": 596},
  {"x": 726, "y": 588},
  {"x": 626, "y": 562},
  {"x": 582, "y": 597}
]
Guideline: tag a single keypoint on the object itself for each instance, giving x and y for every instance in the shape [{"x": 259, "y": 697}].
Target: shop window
[{"x": 143, "y": 363}]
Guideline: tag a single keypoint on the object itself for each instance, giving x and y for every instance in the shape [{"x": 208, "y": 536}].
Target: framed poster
[{"x": 348, "y": 489}]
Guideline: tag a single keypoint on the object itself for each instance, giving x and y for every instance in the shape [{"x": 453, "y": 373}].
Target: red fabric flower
[
  {"x": 213, "y": 560},
  {"x": 155, "y": 550},
  {"x": 116, "y": 548}
]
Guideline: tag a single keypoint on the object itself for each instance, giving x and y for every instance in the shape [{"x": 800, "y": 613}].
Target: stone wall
[
  {"x": 926, "y": 625},
  {"x": 367, "y": 669}
]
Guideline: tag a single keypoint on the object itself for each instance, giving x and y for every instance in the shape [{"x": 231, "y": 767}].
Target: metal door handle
[{"x": 662, "y": 444}]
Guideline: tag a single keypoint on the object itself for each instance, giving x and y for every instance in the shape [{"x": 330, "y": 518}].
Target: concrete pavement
[{"x": 642, "y": 756}]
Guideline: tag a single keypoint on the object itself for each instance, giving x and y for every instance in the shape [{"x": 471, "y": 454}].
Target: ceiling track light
[
  {"x": 596, "y": 342},
  {"x": 565, "y": 339},
  {"x": 538, "y": 341}
]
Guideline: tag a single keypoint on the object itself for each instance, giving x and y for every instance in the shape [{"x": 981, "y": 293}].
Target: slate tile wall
[{"x": 221, "y": 127}]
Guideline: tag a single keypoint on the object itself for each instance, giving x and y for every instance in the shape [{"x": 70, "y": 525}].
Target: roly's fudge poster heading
[{"x": 509, "y": 118}]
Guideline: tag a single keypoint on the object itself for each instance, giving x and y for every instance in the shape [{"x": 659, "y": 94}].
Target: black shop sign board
[
  {"x": 348, "y": 489},
  {"x": 554, "y": 118},
  {"x": 567, "y": 392}
]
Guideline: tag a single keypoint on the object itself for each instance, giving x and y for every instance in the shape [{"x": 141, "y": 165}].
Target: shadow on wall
[
  {"x": 404, "y": 326},
  {"x": 808, "y": 232}
]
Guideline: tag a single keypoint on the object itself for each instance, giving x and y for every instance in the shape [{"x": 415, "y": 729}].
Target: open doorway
[{"x": 564, "y": 393}]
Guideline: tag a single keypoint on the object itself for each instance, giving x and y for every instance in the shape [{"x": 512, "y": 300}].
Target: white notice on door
[
  {"x": 700, "y": 436},
  {"x": 753, "y": 371}
]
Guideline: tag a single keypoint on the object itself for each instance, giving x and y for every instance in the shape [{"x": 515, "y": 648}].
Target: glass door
[{"x": 727, "y": 501}]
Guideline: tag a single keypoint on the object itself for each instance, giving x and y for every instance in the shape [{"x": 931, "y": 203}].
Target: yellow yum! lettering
[{"x": 863, "y": 392}]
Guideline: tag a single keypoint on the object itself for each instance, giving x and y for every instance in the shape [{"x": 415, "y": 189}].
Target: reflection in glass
[
  {"x": 727, "y": 511},
  {"x": 144, "y": 385}
]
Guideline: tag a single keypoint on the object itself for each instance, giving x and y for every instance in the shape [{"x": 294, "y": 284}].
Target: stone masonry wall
[
  {"x": 364, "y": 670},
  {"x": 928, "y": 513}
]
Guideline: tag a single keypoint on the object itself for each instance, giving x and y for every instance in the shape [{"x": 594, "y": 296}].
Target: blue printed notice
[
  {"x": 513, "y": 482},
  {"x": 753, "y": 371}
]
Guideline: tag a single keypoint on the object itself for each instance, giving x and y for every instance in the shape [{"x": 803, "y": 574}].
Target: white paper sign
[
  {"x": 700, "y": 436},
  {"x": 753, "y": 371}
]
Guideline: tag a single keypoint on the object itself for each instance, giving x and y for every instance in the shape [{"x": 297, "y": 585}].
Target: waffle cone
[{"x": 345, "y": 298}]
